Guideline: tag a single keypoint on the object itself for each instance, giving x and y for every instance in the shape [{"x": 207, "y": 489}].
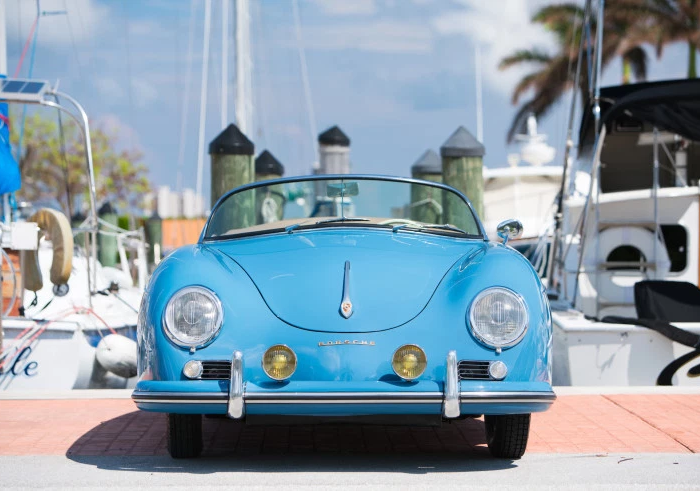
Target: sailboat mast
[
  {"x": 3, "y": 40},
  {"x": 224, "y": 63},
  {"x": 243, "y": 67}
]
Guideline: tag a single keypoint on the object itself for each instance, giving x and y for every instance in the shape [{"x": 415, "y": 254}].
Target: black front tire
[
  {"x": 184, "y": 435},
  {"x": 507, "y": 435}
]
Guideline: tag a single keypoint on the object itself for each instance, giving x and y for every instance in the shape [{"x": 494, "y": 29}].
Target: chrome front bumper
[{"x": 453, "y": 402}]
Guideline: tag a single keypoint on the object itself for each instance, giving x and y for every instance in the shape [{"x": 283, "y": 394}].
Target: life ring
[
  {"x": 57, "y": 229},
  {"x": 616, "y": 286}
]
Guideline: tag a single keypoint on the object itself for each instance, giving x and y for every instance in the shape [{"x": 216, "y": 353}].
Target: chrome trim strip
[
  {"x": 261, "y": 396},
  {"x": 236, "y": 406},
  {"x": 346, "y": 303},
  {"x": 522, "y": 397},
  {"x": 346, "y": 401},
  {"x": 450, "y": 408},
  {"x": 507, "y": 397},
  {"x": 179, "y": 401},
  {"x": 177, "y": 396}
]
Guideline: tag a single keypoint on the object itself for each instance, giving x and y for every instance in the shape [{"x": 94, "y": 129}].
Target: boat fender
[
  {"x": 641, "y": 238},
  {"x": 57, "y": 229},
  {"x": 117, "y": 354}
]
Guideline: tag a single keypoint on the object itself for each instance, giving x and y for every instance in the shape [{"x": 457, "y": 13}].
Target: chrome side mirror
[{"x": 509, "y": 229}]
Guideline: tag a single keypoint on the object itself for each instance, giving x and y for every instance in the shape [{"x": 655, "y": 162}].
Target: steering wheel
[{"x": 398, "y": 221}]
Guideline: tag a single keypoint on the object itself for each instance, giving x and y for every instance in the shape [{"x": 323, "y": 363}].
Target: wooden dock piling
[
  {"x": 462, "y": 168},
  {"x": 426, "y": 203},
  {"x": 270, "y": 200},
  {"x": 232, "y": 165}
]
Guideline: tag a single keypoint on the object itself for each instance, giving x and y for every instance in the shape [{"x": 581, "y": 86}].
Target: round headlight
[
  {"x": 193, "y": 316},
  {"x": 409, "y": 362},
  {"x": 279, "y": 362},
  {"x": 498, "y": 317}
]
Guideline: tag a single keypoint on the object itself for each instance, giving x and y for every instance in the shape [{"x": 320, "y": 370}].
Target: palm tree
[
  {"x": 662, "y": 22},
  {"x": 554, "y": 73}
]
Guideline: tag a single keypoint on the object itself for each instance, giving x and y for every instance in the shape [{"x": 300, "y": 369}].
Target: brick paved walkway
[{"x": 575, "y": 424}]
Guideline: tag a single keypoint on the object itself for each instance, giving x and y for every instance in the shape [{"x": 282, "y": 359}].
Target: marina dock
[{"x": 582, "y": 420}]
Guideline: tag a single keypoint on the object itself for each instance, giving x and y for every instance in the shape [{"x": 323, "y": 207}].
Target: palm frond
[{"x": 525, "y": 56}]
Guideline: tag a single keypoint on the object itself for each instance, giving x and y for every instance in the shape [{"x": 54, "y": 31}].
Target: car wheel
[
  {"x": 184, "y": 435},
  {"x": 507, "y": 435}
]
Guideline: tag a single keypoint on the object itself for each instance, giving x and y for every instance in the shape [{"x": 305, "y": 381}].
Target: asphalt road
[{"x": 423, "y": 471}]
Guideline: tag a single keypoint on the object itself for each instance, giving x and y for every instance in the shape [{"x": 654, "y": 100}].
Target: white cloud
[
  {"x": 499, "y": 28},
  {"x": 83, "y": 20},
  {"x": 347, "y": 7},
  {"x": 383, "y": 36},
  {"x": 109, "y": 88},
  {"x": 143, "y": 92},
  {"x": 126, "y": 137}
]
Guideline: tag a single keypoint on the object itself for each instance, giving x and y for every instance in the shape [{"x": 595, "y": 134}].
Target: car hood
[{"x": 391, "y": 276}]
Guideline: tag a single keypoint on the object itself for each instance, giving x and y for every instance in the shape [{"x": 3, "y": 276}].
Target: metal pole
[
  {"x": 243, "y": 68},
  {"x": 479, "y": 96},
  {"x": 224, "y": 64},
  {"x": 3, "y": 40},
  {"x": 92, "y": 219},
  {"x": 203, "y": 94},
  {"x": 655, "y": 192},
  {"x": 554, "y": 260}
]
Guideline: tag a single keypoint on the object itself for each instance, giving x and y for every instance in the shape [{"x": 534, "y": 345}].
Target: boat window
[
  {"x": 676, "y": 240},
  {"x": 298, "y": 204},
  {"x": 627, "y": 256}
]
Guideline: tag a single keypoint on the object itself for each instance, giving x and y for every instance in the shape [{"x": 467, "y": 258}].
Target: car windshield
[{"x": 298, "y": 205}]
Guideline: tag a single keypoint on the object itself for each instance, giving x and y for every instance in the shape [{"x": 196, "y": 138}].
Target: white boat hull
[{"x": 587, "y": 353}]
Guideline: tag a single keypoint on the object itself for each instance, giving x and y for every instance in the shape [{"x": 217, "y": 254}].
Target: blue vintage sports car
[{"x": 346, "y": 298}]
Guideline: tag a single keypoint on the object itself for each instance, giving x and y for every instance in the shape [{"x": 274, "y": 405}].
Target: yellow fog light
[
  {"x": 409, "y": 362},
  {"x": 279, "y": 362}
]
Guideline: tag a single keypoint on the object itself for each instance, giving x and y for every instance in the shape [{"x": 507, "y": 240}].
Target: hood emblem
[{"x": 345, "y": 303}]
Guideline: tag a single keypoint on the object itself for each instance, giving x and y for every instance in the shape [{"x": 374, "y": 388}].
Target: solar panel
[
  {"x": 23, "y": 90},
  {"x": 32, "y": 87},
  {"x": 13, "y": 86}
]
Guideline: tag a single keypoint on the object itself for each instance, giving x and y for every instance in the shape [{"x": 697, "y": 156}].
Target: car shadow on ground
[{"x": 136, "y": 441}]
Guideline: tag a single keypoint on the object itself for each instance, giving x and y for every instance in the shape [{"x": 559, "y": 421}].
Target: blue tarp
[{"x": 9, "y": 170}]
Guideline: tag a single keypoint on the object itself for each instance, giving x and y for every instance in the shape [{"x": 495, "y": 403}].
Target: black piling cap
[
  {"x": 462, "y": 144},
  {"x": 266, "y": 163},
  {"x": 231, "y": 141},
  {"x": 106, "y": 209},
  {"x": 428, "y": 163},
  {"x": 334, "y": 136}
]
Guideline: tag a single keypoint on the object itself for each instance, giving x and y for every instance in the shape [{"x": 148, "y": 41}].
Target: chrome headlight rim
[
  {"x": 220, "y": 320},
  {"x": 471, "y": 320}
]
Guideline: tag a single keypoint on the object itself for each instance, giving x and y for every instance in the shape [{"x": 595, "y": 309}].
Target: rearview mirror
[
  {"x": 509, "y": 229},
  {"x": 342, "y": 189}
]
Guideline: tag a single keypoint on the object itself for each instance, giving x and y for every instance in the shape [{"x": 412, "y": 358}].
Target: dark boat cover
[
  {"x": 9, "y": 170},
  {"x": 672, "y": 105}
]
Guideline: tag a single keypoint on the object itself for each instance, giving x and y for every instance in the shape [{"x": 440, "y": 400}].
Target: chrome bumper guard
[
  {"x": 450, "y": 408},
  {"x": 451, "y": 398}
]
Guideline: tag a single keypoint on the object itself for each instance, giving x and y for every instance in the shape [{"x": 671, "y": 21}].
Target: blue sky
[{"x": 396, "y": 75}]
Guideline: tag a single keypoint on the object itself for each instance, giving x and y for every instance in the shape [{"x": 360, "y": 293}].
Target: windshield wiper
[
  {"x": 418, "y": 226},
  {"x": 445, "y": 226},
  {"x": 343, "y": 219}
]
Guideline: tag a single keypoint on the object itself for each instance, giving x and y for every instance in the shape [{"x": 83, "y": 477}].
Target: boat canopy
[
  {"x": 9, "y": 170},
  {"x": 672, "y": 106}
]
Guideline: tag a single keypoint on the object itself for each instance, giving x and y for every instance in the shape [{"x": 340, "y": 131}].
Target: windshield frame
[{"x": 321, "y": 177}]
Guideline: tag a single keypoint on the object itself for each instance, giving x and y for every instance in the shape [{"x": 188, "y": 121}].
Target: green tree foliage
[
  {"x": 662, "y": 22},
  {"x": 554, "y": 73},
  {"x": 55, "y": 168}
]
